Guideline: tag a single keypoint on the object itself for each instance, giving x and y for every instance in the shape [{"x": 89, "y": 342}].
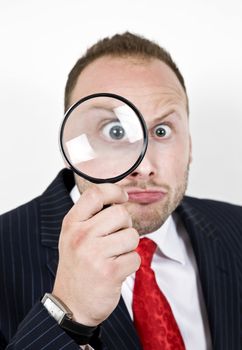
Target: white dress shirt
[{"x": 177, "y": 276}]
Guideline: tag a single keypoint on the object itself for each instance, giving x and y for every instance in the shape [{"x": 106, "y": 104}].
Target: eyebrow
[
  {"x": 98, "y": 109},
  {"x": 167, "y": 114}
]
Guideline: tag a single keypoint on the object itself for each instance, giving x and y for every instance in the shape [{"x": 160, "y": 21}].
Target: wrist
[
  {"x": 79, "y": 317},
  {"x": 80, "y": 333}
]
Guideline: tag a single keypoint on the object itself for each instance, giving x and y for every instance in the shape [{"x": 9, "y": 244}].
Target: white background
[{"x": 41, "y": 40}]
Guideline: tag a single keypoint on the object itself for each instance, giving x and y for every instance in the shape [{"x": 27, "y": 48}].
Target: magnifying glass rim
[{"x": 144, "y": 129}]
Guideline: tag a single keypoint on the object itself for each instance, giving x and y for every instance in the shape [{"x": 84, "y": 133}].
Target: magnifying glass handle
[{"x": 106, "y": 206}]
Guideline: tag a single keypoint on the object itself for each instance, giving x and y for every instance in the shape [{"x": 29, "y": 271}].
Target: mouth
[{"x": 145, "y": 196}]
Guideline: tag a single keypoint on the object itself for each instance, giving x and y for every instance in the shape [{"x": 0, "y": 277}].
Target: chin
[{"x": 148, "y": 218}]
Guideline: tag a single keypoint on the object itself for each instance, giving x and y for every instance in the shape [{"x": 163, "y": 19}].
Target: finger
[
  {"x": 127, "y": 264},
  {"x": 109, "y": 220},
  {"x": 93, "y": 200},
  {"x": 120, "y": 242}
]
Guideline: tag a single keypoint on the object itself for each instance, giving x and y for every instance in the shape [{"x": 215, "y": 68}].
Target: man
[{"x": 84, "y": 255}]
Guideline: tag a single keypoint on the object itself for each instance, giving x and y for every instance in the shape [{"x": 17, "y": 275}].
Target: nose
[{"x": 147, "y": 168}]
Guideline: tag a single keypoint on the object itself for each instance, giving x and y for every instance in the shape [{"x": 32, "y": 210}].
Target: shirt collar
[
  {"x": 167, "y": 238},
  {"x": 168, "y": 241},
  {"x": 75, "y": 194}
]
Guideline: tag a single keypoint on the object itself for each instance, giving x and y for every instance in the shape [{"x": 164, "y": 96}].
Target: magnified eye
[
  {"x": 114, "y": 131},
  {"x": 162, "y": 131}
]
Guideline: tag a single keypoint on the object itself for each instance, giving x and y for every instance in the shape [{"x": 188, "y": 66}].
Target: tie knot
[{"x": 146, "y": 249}]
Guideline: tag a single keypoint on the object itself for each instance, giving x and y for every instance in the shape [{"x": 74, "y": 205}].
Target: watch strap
[{"x": 80, "y": 333}]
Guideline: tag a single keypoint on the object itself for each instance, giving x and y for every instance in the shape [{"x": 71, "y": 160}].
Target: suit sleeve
[{"x": 38, "y": 331}]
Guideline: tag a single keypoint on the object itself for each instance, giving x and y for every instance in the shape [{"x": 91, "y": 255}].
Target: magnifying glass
[{"x": 103, "y": 137}]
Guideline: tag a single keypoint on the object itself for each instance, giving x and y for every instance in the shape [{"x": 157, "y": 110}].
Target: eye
[
  {"x": 162, "y": 131},
  {"x": 114, "y": 131}
]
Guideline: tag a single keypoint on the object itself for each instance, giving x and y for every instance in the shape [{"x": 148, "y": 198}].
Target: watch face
[{"x": 54, "y": 310}]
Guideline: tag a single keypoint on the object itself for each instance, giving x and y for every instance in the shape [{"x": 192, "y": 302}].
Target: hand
[{"x": 96, "y": 254}]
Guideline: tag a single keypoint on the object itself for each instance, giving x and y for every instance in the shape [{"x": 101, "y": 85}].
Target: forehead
[{"x": 148, "y": 83}]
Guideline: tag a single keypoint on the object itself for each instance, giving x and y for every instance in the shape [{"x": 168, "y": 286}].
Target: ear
[{"x": 190, "y": 149}]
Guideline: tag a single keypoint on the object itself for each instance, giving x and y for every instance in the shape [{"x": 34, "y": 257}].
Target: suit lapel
[
  {"x": 218, "y": 277},
  {"x": 55, "y": 202},
  {"x": 118, "y": 331}
]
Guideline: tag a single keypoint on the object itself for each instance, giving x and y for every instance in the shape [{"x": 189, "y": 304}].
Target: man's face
[{"x": 158, "y": 184}]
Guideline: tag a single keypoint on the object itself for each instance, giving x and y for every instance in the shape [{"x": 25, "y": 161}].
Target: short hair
[{"x": 120, "y": 45}]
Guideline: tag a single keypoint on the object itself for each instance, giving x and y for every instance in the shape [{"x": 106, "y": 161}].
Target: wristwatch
[
  {"x": 56, "y": 308},
  {"x": 81, "y": 334}
]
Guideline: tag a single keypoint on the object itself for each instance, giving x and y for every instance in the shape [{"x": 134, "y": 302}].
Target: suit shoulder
[
  {"x": 27, "y": 212},
  {"x": 223, "y": 212},
  {"x": 213, "y": 204}
]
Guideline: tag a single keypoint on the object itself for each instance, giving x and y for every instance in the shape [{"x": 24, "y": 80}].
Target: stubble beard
[{"x": 147, "y": 218}]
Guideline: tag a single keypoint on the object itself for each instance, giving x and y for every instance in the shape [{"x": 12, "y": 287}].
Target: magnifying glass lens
[{"x": 103, "y": 137}]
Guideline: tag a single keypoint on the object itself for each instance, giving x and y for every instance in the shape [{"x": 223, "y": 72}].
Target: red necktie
[{"x": 153, "y": 317}]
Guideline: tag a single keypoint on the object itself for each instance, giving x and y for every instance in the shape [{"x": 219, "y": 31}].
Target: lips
[{"x": 145, "y": 197}]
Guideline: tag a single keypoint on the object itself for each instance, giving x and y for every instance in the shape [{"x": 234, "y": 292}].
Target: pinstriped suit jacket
[{"x": 29, "y": 256}]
